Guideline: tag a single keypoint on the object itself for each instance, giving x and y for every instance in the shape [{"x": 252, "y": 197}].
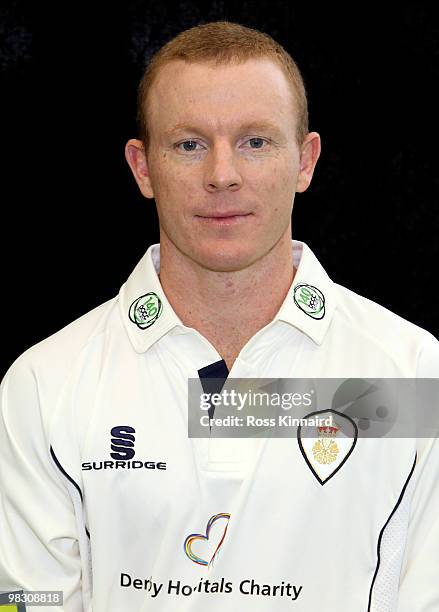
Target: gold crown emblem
[{"x": 328, "y": 431}]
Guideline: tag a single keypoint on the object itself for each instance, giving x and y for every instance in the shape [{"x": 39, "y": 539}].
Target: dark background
[{"x": 73, "y": 222}]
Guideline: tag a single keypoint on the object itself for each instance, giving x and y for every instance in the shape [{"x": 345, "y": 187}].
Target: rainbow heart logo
[{"x": 193, "y": 537}]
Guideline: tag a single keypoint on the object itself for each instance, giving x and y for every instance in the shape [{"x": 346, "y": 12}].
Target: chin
[{"x": 229, "y": 260}]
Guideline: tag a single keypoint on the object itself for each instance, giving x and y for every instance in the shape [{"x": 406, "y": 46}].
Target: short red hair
[{"x": 222, "y": 42}]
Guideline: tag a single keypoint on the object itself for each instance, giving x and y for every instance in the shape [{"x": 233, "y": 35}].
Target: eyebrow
[{"x": 244, "y": 127}]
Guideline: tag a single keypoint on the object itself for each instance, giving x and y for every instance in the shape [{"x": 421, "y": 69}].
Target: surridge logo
[{"x": 122, "y": 442}]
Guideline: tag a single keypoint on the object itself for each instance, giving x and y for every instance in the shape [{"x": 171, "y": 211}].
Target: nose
[{"x": 221, "y": 172}]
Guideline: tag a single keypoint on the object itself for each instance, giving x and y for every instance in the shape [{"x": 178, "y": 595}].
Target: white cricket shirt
[{"x": 106, "y": 498}]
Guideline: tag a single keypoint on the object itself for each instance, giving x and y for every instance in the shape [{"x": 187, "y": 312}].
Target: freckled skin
[
  {"x": 227, "y": 282},
  {"x": 224, "y": 171}
]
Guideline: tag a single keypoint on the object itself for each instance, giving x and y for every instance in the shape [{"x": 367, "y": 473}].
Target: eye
[
  {"x": 259, "y": 142},
  {"x": 191, "y": 143},
  {"x": 189, "y": 146}
]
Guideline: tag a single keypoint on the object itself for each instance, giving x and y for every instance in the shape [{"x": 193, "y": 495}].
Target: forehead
[{"x": 220, "y": 96}]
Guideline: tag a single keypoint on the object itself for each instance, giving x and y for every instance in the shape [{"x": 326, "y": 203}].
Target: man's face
[{"x": 223, "y": 164}]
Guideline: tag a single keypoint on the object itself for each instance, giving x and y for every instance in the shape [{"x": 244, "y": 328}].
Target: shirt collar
[
  {"x": 311, "y": 300},
  {"x": 147, "y": 314}
]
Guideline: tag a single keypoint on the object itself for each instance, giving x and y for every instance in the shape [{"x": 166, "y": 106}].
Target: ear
[
  {"x": 136, "y": 158},
  {"x": 310, "y": 152}
]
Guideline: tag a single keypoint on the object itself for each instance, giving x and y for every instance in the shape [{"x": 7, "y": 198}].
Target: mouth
[{"x": 224, "y": 219}]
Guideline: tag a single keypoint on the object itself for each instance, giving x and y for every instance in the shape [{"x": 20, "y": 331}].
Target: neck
[{"x": 227, "y": 308}]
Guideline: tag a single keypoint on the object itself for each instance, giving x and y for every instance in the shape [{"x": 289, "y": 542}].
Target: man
[{"x": 104, "y": 495}]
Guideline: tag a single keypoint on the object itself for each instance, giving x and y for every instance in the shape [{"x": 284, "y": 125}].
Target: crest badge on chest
[{"x": 327, "y": 446}]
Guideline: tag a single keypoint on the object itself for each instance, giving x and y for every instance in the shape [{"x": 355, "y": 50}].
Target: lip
[
  {"x": 223, "y": 215},
  {"x": 224, "y": 219}
]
